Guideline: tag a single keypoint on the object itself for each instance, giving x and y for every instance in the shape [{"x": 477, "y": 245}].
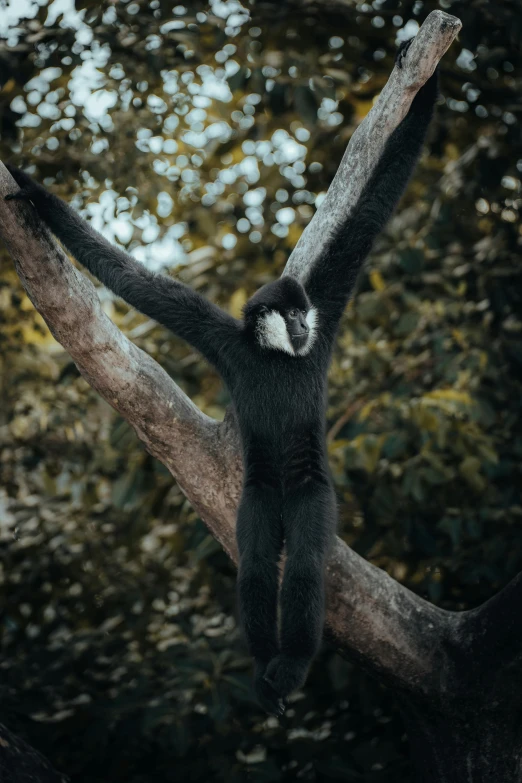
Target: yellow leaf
[
  {"x": 452, "y": 151},
  {"x": 459, "y": 338},
  {"x": 368, "y": 449},
  {"x": 367, "y": 409},
  {"x": 425, "y": 419},
  {"x": 8, "y": 86},
  {"x": 469, "y": 469},
  {"x": 377, "y": 281},
  {"x": 488, "y": 453},
  {"x": 451, "y": 395}
]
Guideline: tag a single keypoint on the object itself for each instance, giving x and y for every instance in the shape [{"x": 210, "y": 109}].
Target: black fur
[{"x": 279, "y": 399}]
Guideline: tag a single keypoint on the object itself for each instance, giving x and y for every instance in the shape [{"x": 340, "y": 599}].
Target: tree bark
[
  {"x": 20, "y": 763},
  {"x": 437, "y": 662}
]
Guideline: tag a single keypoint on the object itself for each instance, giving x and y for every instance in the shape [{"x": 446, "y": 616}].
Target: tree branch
[
  {"x": 172, "y": 428},
  {"x": 494, "y": 630},
  {"x": 367, "y": 142},
  {"x": 370, "y": 616},
  {"x": 20, "y": 763}
]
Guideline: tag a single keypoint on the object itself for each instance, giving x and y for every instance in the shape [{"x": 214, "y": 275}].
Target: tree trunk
[{"x": 469, "y": 741}]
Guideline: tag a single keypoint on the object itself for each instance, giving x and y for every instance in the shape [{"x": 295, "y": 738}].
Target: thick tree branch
[
  {"x": 370, "y": 616},
  {"x": 20, "y": 763},
  {"x": 495, "y": 631},
  {"x": 167, "y": 421}
]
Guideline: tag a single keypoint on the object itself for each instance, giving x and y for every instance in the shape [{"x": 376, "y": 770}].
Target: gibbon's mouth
[{"x": 299, "y": 340}]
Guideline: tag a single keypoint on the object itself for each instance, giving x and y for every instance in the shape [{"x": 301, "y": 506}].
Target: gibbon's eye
[
  {"x": 293, "y": 313},
  {"x": 263, "y": 310}
]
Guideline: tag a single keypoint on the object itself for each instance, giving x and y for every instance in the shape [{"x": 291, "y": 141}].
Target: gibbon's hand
[
  {"x": 401, "y": 51},
  {"x": 429, "y": 92}
]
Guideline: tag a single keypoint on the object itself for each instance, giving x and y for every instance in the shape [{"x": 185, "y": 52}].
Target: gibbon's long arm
[
  {"x": 332, "y": 278},
  {"x": 173, "y": 304}
]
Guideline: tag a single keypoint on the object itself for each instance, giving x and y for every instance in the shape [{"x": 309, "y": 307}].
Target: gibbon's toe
[
  {"x": 268, "y": 698},
  {"x": 285, "y": 674},
  {"x": 20, "y": 195},
  {"x": 401, "y": 52}
]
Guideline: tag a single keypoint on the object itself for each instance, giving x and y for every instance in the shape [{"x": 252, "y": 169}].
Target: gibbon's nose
[{"x": 303, "y": 326}]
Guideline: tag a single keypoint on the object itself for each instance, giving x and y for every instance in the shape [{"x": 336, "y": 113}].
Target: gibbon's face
[
  {"x": 290, "y": 329},
  {"x": 282, "y": 318}
]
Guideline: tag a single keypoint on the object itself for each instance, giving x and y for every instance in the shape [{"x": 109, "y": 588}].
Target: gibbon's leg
[
  {"x": 260, "y": 542},
  {"x": 309, "y": 520}
]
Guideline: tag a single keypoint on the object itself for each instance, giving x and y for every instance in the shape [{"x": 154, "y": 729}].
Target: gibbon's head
[{"x": 281, "y": 317}]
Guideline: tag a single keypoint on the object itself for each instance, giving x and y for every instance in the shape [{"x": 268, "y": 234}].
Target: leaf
[
  {"x": 453, "y": 527},
  {"x": 450, "y": 394},
  {"x": 368, "y": 449},
  {"x": 407, "y": 323},
  {"x": 434, "y": 477},
  {"x": 422, "y": 539},
  {"x": 469, "y": 468},
  {"x": 412, "y": 260},
  {"x": 367, "y": 409},
  {"x": 412, "y": 484},
  {"x": 395, "y": 446},
  {"x": 377, "y": 281}
]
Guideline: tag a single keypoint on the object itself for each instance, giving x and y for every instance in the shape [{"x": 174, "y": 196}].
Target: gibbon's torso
[{"x": 280, "y": 403}]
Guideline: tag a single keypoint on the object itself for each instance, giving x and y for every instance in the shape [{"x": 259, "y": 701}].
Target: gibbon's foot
[
  {"x": 267, "y": 697},
  {"x": 285, "y": 674},
  {"x": 401, "y": 52}
]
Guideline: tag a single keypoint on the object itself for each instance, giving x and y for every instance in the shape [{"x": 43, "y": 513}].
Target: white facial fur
[
  {"x": 311, "y": 320},
  {"x": 272, "y": 332}
]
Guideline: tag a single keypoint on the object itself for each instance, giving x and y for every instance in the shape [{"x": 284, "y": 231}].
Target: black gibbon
[{"x": 274, "y": 362}]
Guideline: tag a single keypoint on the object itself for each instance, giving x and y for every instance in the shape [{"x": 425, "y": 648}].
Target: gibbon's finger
[
  {"x": 269, "y": 699},
  {"x": 20, "y": 195},
  {"x": 401, "y": 51}
]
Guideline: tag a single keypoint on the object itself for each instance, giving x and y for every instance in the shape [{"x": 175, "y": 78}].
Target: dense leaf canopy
[{"x": 201, "y": 137}]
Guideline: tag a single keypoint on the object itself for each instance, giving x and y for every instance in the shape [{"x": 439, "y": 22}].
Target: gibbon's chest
[{"x": 283, "y": 394}]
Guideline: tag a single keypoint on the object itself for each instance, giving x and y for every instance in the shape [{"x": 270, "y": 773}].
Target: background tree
[{"x": 97, "y": 651}]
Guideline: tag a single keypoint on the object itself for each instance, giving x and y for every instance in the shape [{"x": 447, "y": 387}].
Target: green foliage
[{"x": 206, "y": 138}]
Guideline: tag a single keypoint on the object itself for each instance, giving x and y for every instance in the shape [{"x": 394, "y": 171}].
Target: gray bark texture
[
  {"x": 20, "y": 763},
  {"x": 448, "y": 669}
]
